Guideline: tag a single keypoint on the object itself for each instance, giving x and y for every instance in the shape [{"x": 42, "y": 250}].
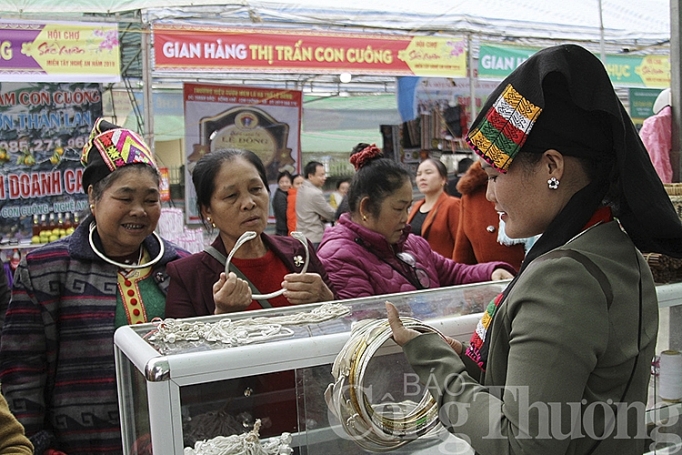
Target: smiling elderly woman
[{"x": 68, "y": 297}]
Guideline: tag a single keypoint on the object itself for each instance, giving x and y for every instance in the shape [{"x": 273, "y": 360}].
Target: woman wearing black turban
[{"x": 567, "y": 347}]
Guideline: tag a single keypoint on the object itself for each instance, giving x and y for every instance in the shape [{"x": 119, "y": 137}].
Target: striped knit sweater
[{"x": 56, "y": 351}]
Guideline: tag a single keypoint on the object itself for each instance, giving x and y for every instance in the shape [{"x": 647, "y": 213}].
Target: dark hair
[
  {"x": 284, "y": 174},
  {"x": 359, "y": 147},
  {"x": 311, "y": 168},
  {"x": 338, "y": 184},
  {"x": 440, "y": 166},
  {"x": 206, "y": 169},
  {"x": 99, "y": 187},
  {"x": 376, "y": 179},
  {"x": 464, "y": 164}
]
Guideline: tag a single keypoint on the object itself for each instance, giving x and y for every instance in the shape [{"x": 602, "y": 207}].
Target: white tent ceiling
[
  {"x": 644, "y": 21},
  {"x": 631, "y": 26}
]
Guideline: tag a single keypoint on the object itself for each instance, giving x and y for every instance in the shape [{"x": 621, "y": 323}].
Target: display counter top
[{"x": 452, "y": 310}]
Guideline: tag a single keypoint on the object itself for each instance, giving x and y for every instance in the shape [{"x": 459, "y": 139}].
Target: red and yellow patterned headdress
[
  {"x": 111, "y": 147},
  {"x": 504, "y": 129}
]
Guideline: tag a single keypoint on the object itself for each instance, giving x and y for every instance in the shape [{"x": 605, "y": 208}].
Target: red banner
[{"x": 197, "y": 48}]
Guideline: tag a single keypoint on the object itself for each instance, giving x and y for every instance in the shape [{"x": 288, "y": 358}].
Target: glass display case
[{"x": 176, "y": 392}]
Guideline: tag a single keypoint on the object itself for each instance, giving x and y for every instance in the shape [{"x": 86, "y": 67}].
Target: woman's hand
[
  {"x": 231, "y": 294},
  {"x": 302, "y": 288},
  {"x": 401, "y": 335},
  {"x": 501, "y": 274}
]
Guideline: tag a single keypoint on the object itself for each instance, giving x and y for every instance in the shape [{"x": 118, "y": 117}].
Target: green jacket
[{"x": 559, "y": 356}]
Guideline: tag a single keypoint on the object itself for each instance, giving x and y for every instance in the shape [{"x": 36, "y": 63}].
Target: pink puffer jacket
[{"x": 361, "y": 262}]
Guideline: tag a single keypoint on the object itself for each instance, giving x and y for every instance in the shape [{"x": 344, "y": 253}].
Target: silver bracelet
[
  {"x": 250, "y": 235},
  {"x": 367, "y": 425}
]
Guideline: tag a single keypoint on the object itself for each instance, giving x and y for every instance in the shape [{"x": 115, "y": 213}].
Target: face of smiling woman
[
  {"x": 127, "y": 211},
  {"x": 239, "y": 202}
]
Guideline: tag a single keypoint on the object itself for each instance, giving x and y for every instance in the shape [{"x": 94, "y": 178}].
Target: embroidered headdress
[{"x": 111, "y": 147}]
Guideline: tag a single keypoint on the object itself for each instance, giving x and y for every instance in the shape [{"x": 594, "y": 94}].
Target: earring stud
[{"x": 553, "y": 183}]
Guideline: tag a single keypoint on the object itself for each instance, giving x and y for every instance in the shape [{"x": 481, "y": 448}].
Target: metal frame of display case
[{"x": 310, "y": 346}]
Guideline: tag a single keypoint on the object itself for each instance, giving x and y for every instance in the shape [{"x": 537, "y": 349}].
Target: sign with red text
[
  {"x": 188, "y": 48},
  {"x": 262, "y": 120},
  {"x": 43, "y": 128},
  {"x": 59, "y": 52}
]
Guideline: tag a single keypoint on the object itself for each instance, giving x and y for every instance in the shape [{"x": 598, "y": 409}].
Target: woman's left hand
[
  {"x": 501, "y": 274},
  {"x": 401, "y": 335},
  {"x": 302, "y": 288}
]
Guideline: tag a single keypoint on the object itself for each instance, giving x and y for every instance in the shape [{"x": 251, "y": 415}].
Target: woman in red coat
[
  {"x": 435, "y": 217},
  {"x": 296, "y": 181},
  {"x": 478, "y": 237}
]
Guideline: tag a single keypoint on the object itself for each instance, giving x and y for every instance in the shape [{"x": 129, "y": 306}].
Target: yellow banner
[{"x": 59, "y": 52}]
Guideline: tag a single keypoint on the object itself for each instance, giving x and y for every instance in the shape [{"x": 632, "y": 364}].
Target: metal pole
[
  {"x": 472, "y": 82},
  {"x": 675, "y": 319},
  {"x": 147, "y": 87},
  {"x": 602, "y": 52},
  {"x": 675, "y": 85}
]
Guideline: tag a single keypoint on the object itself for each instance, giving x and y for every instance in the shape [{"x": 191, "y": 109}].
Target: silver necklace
[
  {"x": 243, "y": 444},
  {"x": 121, "y": 265},
  {"x": 242, "y": 331}
]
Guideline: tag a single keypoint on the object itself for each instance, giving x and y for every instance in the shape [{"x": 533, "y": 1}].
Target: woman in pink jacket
[{"x": 370, "y": 251}]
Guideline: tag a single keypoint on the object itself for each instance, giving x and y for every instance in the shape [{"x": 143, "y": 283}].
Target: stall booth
[{"x": 177, "y": 382}]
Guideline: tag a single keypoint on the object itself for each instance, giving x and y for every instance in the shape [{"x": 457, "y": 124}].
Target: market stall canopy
[
  {"x": 643, "y": 21},
  {"x": 628, "y": 27}
]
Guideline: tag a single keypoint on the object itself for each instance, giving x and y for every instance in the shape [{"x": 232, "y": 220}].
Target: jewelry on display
[
  {"x": 244, "y": 331},
  {"x": 250, "y": 235},
  {"x": 346, "y": 398},
  {"x": 121, "y": 265},
  {"x": 243, "y": 444}
]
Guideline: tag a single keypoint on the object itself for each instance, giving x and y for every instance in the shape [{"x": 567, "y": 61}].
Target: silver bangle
[
  {"x": 250, "y": 235},
  {"x": 368, "y": 427}
]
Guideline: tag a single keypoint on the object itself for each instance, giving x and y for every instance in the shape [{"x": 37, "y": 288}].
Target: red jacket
[
  {"x": 291, "y": 209},
  {"x": 479, "y": 224},
  {"x": 440, "y": 225}
]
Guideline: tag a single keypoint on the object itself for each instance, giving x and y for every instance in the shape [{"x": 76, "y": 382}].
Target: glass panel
[
  {"x": 134, "y": 410},
  {"x": 225, "y": 408}
]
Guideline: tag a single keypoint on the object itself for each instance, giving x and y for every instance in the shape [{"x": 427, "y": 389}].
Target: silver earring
[{"x": 553, "y": 183}]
